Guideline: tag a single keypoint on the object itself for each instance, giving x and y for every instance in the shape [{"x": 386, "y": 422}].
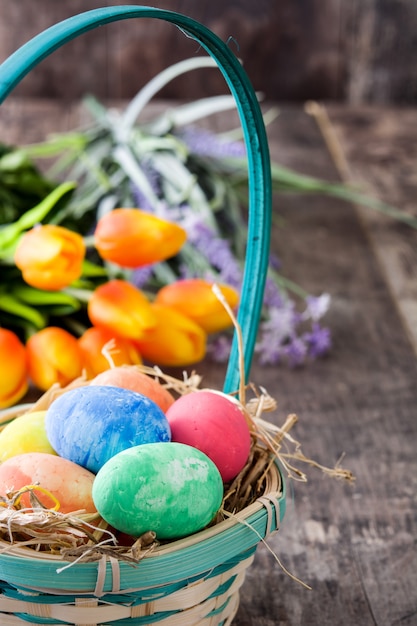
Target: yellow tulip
[
  {"x": 121, "y": 308},
  {"x": 50, "y": 257},
  {"x": 175, "y": 340},
  {"x": 195, "y": 298},
  {"x": 54, "y": 356},
  {"x": 13, "y": 369},
  {"x": 133, "y": 238}
]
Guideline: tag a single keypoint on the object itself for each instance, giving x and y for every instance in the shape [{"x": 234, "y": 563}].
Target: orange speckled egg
[
  {"x": 68, "y": 482},
  {"x": 129, "y": 377}
]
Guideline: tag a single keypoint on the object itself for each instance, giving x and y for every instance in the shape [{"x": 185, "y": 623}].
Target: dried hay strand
[{"x": 78, "y": 535}]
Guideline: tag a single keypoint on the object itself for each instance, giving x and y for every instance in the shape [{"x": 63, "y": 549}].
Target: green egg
[{"x": 170, "y": 488}]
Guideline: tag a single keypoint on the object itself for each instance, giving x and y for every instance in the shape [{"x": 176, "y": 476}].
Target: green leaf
[
  {"x": 56, "y": 144},
  {"x": 12, "y": 305},
  {"x": 10, "y": 233},
  {"x": 146, "y": 94},
  {"x": 39, "y": 297},
  {"x": 91, "y": 270},
  {"x": 14, "y": 160},
  {"x": 190, "y": 113}
]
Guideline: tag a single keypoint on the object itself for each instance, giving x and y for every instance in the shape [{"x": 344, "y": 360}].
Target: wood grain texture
[
  {"x": 354, "y": 545},
  {"x": 380, "y": 148},
  {"x": 293, "y": 50},
  {"x": 380, "y": 45}
]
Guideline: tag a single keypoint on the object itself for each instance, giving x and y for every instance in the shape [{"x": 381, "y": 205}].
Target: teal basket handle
[{"x": 13, "y": 70}]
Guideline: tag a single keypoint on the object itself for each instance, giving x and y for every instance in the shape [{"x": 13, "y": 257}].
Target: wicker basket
[{"x": 196, "y": 580}]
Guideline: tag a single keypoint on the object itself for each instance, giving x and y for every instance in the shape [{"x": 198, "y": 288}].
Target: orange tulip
[
  {"x": 133, "y": 238},
  {"x": 54, "y": 356},
  {"x": 175, "y": 341},
  {"x": 195, "y": 298},
  {"x": 122, "y": 351},
  {"x": 50, "y": 257},
  {"x": 13, "y": 369},
  {"x": 121, "y": 308}
]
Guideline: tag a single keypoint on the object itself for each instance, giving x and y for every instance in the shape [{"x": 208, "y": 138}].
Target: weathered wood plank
[
  {"x": 350, "y": 545},
  {"x": 380, "y": 148},
  {"x": 293, "y": 50},
  {"x": 290, "y": 49},
  {"x": 355, "y": 546},
  {"x": 378, "y": 37}
]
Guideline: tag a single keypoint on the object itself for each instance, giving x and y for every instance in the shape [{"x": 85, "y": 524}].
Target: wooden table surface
[{"x": 353, "y": 544}]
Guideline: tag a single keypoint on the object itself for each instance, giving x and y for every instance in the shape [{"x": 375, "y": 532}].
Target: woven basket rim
[
  {"x": 276, "y": 489},
  {"x": 197, "y": 553}
]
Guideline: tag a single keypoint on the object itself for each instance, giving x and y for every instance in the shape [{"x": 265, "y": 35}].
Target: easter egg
[
  {"x": 129, "y": 377},
  {"x": 69, "y": 483},
  {"x": 25, "y": 433},
  {"x": 215, "y": 424},
  {"x": 169, "y": 488},
  {"x": 88, "y": 425}
]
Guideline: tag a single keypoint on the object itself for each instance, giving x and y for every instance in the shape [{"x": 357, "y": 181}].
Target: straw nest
[{"x": 79, "y": 536}]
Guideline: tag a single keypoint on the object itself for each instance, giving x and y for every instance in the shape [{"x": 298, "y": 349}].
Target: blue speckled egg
[
  {"x": 89, "y": 425},
  {"x": 170, "y": 488}
]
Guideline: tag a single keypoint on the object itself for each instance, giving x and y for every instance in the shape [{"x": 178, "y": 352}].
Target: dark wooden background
[
  {"x": 355, "y": 545},
  {"x": 354, "y": 51}
]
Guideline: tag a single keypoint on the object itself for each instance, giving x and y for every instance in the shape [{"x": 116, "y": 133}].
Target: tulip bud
[
  {"x": 121, "y": 308},
  {"x": 54, "y": 356},
  {"x": 133, "y": 238},
  {"x": 121, "y": 351},
  {"x": 13, "y": 369},
  {"x": 175, "y": 340},
  {"x": 50, "y": 257},
  {"x": 195, "y": 298}
]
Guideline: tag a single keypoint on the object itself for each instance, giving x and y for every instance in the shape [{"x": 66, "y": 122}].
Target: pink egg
[
  {"x": 215, "y": 424},
  {"x": 68, "y": 482}
]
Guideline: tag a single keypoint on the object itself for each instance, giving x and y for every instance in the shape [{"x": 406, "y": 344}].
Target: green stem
[
  {"x": 11, "y": 305},
  {"x": 83, "y": 295},
  {"x": 89, "y": 241},
  {"x": 289, "y": 285}
]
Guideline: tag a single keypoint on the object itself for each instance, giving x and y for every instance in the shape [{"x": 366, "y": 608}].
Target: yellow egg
[{"x": 24, "y": 434}]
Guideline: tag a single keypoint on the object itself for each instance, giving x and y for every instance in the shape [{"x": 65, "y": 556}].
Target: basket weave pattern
[
  {"x": 209, "y": 601},
  {"x": 203, "y": 588}
]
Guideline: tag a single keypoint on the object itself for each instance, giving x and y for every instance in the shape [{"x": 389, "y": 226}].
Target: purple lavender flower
[
  {"x": 274, "y": 262},
  {"x": 317, "y": 306},
  {"x": 296, "y": 351},
  {"x": 141, "y": 276},
  {"x": 318, "y": 340},
  {"x": 206, "y": 143},
  {"x": 217, "y": 251},
  {"x": 269, "y": 353},
  {"x": 219, "y": 348},
  {"x": 273, "y": 297},
  {"x": 140, "y": 200},
  {"x": 154, "y": 180},
  {"x": 276, "y": 332}
]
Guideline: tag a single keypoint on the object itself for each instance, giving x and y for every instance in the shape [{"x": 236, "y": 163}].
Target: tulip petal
[
  {"x": 133, "y": 238},
  {"x": 50, "y": 257},
  {"x": 175, "y": 340},
  {"x": 121, "y": 308},
  {"x": 92, "y": 342},
  {"x": 53, "y": 357},
  {"x": 13, "y": 369},
  {"x": 195, "y": 298}
]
